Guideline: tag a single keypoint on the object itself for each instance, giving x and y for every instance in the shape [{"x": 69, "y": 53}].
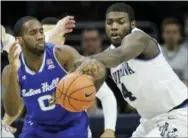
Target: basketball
[{"x": 75, "y": 92}]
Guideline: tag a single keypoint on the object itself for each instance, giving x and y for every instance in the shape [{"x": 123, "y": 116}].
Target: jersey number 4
[
  {"x": 126, "y": 93},
  {"x": 41, "y": 101}
]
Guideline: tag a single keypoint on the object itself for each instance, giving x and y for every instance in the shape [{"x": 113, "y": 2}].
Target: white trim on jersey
[
  {"x": 57, "y": 60},
  {"x": 30, "y": 71}
]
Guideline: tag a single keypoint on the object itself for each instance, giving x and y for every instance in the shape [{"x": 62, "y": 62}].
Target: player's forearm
[
  {"x": 12, "y": 98},
  {"x": 54, "y": 38},
  {"x": 109, "y": 105},
  {"x": 9, "y": 120},
  {"x": 110, "y": 58},
  {"x": 110, "y": 113}
]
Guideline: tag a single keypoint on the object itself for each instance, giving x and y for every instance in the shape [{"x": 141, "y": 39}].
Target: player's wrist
[{"x": 13, "y": 69}]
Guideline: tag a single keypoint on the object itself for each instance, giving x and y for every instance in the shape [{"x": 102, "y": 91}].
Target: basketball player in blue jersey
[{"x": 31, "y": 79}]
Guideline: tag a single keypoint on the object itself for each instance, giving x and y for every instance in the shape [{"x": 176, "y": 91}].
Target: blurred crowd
[{"x": 174, "y": 45}]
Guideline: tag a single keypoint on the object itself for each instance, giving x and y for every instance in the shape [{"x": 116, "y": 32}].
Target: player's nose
[{"x": 114, "y": 26}]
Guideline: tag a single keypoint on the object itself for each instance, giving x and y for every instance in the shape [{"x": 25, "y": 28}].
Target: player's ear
[{"x": 133, "y": 24}]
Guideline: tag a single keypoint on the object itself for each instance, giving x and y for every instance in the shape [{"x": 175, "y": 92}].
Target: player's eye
[
  {"x": 122, "y": 21},
  {"x": 41, "y": 31},
  {"x": 32, "y": 32},
  {"x": 108, "y": 22}
]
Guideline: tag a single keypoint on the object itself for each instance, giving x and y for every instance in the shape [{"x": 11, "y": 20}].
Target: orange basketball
[{"x": 75, "y": 92}]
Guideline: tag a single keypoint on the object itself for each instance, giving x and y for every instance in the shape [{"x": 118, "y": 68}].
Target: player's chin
[
  {"x": 116, "y": 42},
  {"x": 40, "y": 50}
]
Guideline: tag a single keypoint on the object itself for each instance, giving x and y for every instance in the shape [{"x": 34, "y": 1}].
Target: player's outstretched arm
[
  {"x": 70, "y": 59},
  {"x": 132, "y": 46}
]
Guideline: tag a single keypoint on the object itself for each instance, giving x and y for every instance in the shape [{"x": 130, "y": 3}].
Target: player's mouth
[
  {"x": 41, "y": 44},
  {"x": 115, "y": 36}
]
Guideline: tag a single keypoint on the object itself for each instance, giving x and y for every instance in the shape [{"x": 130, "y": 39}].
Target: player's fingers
[
  {"x": 13, "y": 50},
  {"x": 71, "y": 22},
  {"x": 17, "y": 55},
  {"x": 69, "y": 26},
  {"x": 69, "y": 30},
  {"x": 71, "y": 17},
  {"x": 13, "y": 46}
]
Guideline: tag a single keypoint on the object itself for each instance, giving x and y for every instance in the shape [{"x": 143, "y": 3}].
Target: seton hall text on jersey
[
  {"x": 122, "y": 71},
  {"x": 45, "y": 87}
]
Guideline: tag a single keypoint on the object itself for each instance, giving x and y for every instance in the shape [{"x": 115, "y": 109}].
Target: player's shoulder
[
  {"x": 137, "y": 33},
  {"x": 65, "y": 49}
]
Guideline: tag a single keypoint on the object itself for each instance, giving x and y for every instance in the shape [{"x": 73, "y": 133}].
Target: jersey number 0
[{"x": 42, "y": 105}]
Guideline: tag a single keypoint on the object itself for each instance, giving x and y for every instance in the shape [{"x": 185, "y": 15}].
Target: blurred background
[{"x": 165, "y": 21}]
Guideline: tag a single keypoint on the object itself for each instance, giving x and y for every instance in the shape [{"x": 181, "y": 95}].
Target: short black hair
[
  {"x": 122, "y": 7},
  {"x": 18, "y": 27},
  {"x": 50, "y": 20}
]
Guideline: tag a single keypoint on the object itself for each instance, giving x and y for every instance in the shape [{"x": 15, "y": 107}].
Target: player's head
[
  {"x": 29, "y": 31},
  {"x": 120, "y": 20},
  {"x": 91, "y": 41},
  {"x": 171, "y": 31}
]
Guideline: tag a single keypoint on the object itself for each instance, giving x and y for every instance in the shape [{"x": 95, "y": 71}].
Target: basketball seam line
[
  {"x": 75, "y": 98},
  {"x": 69, "y": 87}
]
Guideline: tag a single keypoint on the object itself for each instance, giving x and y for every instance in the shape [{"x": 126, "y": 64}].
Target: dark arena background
[{"x": 150, "y": 16}]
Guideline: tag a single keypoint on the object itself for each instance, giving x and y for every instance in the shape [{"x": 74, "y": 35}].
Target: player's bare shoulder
[
  {"x": 66, "y": 56},
  {"x": 142, "y": 39}
]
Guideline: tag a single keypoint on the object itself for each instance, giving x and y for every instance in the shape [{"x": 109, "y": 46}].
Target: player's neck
[{"x": 33, "y": 62}]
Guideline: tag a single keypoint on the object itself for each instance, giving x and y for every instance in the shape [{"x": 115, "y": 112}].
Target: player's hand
[
  {"x": 108, "y": 133},
  {"x": 65, "y": 25},
  {"x": 12, "y": 129},
  {"x": 92, "y": 68},
  {"x": 13, "y": 57}
]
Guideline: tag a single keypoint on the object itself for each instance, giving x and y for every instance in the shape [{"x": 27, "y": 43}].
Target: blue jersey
[{"x": 37, "y": 89}]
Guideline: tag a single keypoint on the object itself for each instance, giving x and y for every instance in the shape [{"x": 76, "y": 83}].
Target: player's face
[
  {"x": 33, "y": 37},
  {"x": 91, "y": 42},
  {"x": 117, "y": 26},
  {"x": 171, "y": 34}
]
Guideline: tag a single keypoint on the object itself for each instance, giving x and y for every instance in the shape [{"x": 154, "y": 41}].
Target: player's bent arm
[
  {"x": 11, "y": 92},
  {"x": 132, "y": 46},
  {"x": 109, "y": 105}
]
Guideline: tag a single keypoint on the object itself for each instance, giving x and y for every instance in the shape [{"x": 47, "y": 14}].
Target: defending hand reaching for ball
[{"x": 93, "y": 68}]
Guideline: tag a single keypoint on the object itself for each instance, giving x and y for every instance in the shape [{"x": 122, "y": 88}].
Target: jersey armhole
[
  {"x": 57, "y": 60},
  {"x": 141, "y": 56}
]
